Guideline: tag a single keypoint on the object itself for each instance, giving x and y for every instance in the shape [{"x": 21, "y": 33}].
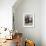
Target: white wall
[
  {"x": 43, "y": 22},
  {"x": 6, "y": 13},
  {"x": 32, "y": 6}
]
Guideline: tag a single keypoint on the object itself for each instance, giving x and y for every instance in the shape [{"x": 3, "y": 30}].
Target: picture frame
[{"x": 28, "y": 19}]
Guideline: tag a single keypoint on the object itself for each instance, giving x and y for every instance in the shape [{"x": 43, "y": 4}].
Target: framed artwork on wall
[{"x": 28, "y": 20}]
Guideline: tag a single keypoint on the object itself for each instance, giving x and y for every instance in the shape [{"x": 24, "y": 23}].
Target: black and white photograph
[{"x": 28, "y": 20}]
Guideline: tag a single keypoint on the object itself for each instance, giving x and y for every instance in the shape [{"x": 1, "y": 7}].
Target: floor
[{"x": 9, "y": 43}]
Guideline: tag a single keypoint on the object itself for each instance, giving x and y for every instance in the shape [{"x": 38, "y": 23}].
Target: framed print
[{"x": 28, "y": 20}]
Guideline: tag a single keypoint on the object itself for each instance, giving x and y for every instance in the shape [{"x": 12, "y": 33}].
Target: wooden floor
[{"x": 9, "y": 43}]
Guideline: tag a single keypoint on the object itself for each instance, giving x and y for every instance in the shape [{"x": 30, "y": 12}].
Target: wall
[
  {"x": 43, "y": 22},
  {"x": 6, "y": 13},
  {"x": 32, "y": 6}
]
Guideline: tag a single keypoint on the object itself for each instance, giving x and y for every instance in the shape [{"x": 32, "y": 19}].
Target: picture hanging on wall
[{"x": 28, "y": 20}]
